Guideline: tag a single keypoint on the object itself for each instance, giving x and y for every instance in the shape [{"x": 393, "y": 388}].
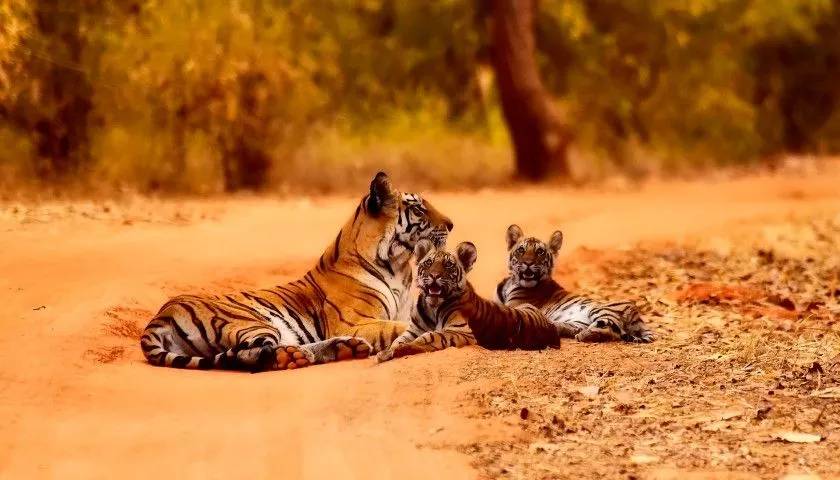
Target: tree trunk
[
  {"x": 60, "y": 125},
  {"x": 539, "y": 137}
]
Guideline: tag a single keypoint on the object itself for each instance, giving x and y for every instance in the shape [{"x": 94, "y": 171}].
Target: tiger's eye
[
  {"x": 520, "y": 250},
  {"x": 448, "y": 263},
  {"x": 540, "y": 252}
]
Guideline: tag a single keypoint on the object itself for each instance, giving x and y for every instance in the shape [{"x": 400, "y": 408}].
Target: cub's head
[
  {"x": 531, "y": 260},
  {"x": 403, "y": 217},
  {"x": 442, "y": 275}
]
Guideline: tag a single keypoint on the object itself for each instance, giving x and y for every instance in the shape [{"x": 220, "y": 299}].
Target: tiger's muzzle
[
  {"x": 435, "y": 289},
  {"x": 529, "y": 274}
]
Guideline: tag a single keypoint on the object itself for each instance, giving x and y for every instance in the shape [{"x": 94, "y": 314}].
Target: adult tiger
[
  {"x": 530, "y": 263},
  {"x": 448, "y": 312},
  {"x": 349, "y": 304}
]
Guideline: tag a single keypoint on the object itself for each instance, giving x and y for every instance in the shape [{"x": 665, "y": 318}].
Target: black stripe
[
  {"x": 368, "y": 290},
  {"x": 338, "y": 243},
  {"x": 180, "y": 361},
  {"x": 205, "y": 363},
  {"x": 183, "y": 334},
  {"x": 243, "y": 306},
  {"x": 297, "y": 319}
]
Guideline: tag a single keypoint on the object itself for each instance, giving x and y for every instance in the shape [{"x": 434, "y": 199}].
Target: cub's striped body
[
  {"x": 354, "y": 301},
  {"x": 448, "y": 312},
  {"x": 530, "y": 264}
]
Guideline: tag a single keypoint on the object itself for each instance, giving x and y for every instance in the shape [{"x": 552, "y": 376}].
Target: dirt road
[{"x": 79, "y": 280}]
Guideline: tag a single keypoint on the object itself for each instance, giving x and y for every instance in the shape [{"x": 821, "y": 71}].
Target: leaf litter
[{"x": 743, "y": 378}]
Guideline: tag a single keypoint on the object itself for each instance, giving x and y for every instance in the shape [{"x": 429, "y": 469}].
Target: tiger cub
[
  {"x": 530, "y": 264},
  {"x": 448, "y": 312}
]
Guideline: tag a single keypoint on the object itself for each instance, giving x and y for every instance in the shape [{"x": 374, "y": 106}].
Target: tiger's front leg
[
  {"x": 427, "y": 342},
  {"x": 288, "y": 357},
  {"x": 338, "y": 348},
  {"x": 380, "y": 334}
]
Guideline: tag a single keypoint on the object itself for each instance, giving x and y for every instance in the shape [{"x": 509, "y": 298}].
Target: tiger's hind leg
[
  {"x": 262, "y": 353},
  {"x": 338, "y": 348},
  {"x": 635, "y": 328},
  {"x": 600, "y": 331},
  {"x": 616, "y": 321},
  {"x": 605, "y": 324},
  {"x": 567, "y": 330}
]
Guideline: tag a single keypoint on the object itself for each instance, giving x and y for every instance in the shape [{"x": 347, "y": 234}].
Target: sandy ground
[{"x": 79, "y": 280}]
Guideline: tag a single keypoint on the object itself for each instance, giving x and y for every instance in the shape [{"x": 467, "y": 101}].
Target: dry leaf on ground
[{"x": 797, "y": 437}]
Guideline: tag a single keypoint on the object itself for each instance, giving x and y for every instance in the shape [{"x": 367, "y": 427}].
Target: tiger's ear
[
  {"x": 422, "y": 248},
  {"x": 380, "y": 193},
  {"x": 466, "y": 254},
  {"x": 555, "y": 242},
  {"x": 514, "y": 234}
]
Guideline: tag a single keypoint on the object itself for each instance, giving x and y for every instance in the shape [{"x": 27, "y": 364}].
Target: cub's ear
[
  {"x": 422, "y": 248},
  {"x": 380, "y": 193},
  {"x": 555, "y": 242},
  {"x": 514, "y": 234},
  {"x": 466, "y": 254}
]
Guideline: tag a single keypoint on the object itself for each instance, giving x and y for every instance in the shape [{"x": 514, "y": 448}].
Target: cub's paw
[
  {"x": 407, "y": 349},
  {"x": 564, "y": 330},
  {"x": 600, "y": 331},
  {"x": 385, "y": 355},
  {"x": 644, "y": 337}
]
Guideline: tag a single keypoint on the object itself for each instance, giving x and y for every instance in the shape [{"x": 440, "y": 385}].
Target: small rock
[{"x": 642, "y": 459}]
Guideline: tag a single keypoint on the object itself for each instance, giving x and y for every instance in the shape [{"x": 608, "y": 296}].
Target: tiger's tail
[{"x": 156, "y": 354}]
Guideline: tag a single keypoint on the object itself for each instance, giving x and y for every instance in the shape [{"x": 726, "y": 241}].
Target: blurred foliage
[{"x": 208, "y": 96}]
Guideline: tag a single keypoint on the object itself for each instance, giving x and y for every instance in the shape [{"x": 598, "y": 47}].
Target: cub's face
[
  {"x": 531, "y": 260},
  {"x": 442, "y": 275}
]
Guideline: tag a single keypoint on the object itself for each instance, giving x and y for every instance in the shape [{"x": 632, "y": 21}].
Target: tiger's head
[
  {"x": 442, "y": 275},
  {"x": 530, "y": 259},
  {"x": 401, "y": 219}
]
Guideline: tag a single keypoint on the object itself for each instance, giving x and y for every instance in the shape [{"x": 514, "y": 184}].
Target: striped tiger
[
  {"x": 353, "y": 302},
  {"x": 530, "y": 263},
  {"x": 448, "y": 312}
]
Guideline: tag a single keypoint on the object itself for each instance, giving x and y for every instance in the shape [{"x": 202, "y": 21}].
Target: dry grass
[{"x": 748, "y": 359}]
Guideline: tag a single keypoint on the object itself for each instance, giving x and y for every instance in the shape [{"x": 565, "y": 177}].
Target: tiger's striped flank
[{"x": 352, "y": 303}]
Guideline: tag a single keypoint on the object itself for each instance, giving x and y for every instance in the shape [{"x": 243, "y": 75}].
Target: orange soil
[{"x": 78, "y": 281}]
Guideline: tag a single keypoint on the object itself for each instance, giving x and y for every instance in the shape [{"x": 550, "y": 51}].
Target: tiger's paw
[
  {"x": 600, "y": 331},
  {"x": 594, "y": 335},
  {"x": 644, "y": 337},
  {"x": 340, "y": 348},
  {"x": 291, "y": 357},
  {"x": 351, "y": 347}
]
